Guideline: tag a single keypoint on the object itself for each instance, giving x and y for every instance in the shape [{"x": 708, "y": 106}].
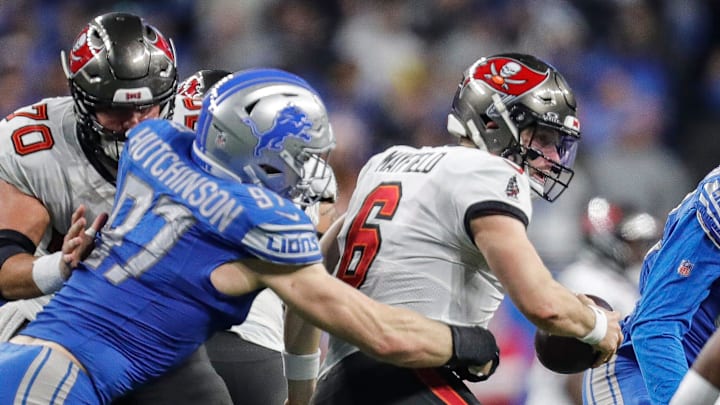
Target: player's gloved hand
[{"x": 476, "y": 355}]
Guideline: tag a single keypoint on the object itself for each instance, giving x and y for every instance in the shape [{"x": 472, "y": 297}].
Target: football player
[
  {"x": 248, "y": 356},
  {"x": 442, "y": 230},
  {"x": 202, "y": 222},
  {"x": 678, "y": 307},
  {"x": 62, "y": 152}
]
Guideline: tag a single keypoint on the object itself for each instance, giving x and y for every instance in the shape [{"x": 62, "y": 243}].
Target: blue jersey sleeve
[
  {"x": 288, "y": 237},
  {"x": 676, "y": 281},
  {"x": 245, "y": 217}
]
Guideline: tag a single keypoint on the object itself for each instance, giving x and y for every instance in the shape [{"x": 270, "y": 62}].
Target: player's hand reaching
[
  {"x": 607, "y": 347},
  {"x": 78, "y": 243}
]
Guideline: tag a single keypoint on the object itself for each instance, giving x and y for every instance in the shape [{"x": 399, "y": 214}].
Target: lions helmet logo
[
  {"x": 508, "y": 75},
  {"x": 290, "y": 122}
]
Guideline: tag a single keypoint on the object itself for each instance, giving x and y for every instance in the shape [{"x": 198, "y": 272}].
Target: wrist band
[
  {"x": 301, "y": 366},
  {"x": 694, "y": 388},
  {"x": 46, "y": 273},
  {"x": 598, "y": 332}
]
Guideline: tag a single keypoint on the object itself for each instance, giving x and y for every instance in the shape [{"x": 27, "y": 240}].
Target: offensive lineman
[{"x": 62, "y": 152}]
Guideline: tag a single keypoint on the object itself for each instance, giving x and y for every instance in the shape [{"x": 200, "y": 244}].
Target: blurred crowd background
[{"x": 646, "y": 74}]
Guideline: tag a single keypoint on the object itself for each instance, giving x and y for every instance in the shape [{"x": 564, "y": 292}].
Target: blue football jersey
[
  {"x": 680, "y": 293},
  {"x": 143, "y": 300}
]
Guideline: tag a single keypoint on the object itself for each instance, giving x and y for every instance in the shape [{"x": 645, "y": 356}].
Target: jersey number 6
[{"x": 364, "y": 239}]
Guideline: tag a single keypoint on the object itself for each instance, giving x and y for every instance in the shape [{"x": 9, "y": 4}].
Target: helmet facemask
[
  {"x": 545, "y": 150},
  {"x": 317, "y": 182}
]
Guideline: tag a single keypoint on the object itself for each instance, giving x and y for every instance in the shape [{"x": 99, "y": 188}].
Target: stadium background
[{"x": 646, "y": 74}]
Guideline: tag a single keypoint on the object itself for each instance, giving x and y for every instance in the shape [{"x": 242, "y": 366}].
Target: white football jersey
[
  {"x": 40, "y": 155},
  {"x": 406, "y": 239}
]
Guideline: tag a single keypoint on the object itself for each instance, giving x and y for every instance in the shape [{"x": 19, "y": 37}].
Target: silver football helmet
[
  {"x": 118, "y": 61},
  {"x": 502, "y": 95},
  {"x": 265, "y": 127}
]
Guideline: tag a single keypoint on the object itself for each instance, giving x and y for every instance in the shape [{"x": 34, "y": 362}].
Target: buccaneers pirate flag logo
[{"x": 507, "y": 75}]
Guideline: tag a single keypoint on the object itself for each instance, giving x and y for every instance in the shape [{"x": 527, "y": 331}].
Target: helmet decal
[
  {"x": 191, "y": 88},
  {"x": 82, "y": 51},
  {"x": 289, "y": 122},
  {"x": 508, "y": 76},
  {"x": 163, "y": 44}
]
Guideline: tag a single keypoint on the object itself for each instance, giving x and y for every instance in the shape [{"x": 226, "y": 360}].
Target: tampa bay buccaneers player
[
  {"x": 62, "y": 152},
  {"x": 442, "y": 230}
]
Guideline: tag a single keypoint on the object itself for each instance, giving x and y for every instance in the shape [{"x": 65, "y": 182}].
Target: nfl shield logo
[{"x": 685, "y": 268}]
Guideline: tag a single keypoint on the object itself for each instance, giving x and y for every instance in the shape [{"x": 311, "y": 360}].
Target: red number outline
[
  {"x": 364, "y": 239},
  {"x": 39, "y": 114},
  {"x": 191, "y": 105}
]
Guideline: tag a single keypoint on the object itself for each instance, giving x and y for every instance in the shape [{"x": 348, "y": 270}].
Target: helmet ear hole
[
  {"x": 270, "y": 169},
  {"x": 489, "y": 123}
]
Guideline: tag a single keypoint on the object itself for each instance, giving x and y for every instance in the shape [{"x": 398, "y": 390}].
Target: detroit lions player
[
  {"x": 248, "y": 356},
  {"x": 678, "y": 308},
  {"x": 441, "y": 230},
  {"x": 200, "y": 224},
  {"x": 62, "y": 152}
]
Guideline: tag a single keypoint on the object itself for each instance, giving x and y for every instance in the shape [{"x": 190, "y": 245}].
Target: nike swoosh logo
[{"x": 292, "y": 217}]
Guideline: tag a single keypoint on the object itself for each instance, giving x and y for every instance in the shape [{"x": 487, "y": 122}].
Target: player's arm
[
  {"x": 701, "y": 385},
  {"x": 301, "y": 357},
  {"x": 77, "y": 245},
  {"x": 329, "y": 245},
  {"x": 546, "y": 303},
  {"x": 392, "y": 334},
  {"x": 23, "y": 221}
]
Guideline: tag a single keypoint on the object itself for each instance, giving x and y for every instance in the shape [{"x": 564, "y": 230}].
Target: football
[{"x": 566, "y": 355}]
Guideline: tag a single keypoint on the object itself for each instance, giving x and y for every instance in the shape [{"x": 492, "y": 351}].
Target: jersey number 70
[{"x": 363, "y": 238}]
